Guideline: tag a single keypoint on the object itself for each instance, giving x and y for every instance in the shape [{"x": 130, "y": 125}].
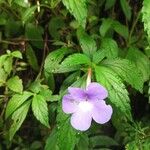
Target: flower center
[{"x": 85, "y": 106}]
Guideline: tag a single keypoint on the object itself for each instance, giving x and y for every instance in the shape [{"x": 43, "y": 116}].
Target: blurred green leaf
[
  {"x": 32, "y": 59},
  {"x": 109, "y": 4},
  {"x": 34, "y": 34},
  {"x": 126, "y": 8},
  {"x": 28, "y": 14}
]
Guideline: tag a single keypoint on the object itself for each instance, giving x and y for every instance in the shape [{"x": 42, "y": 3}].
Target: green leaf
[
  {"x": 67, "y": 135},
  {"x": 55, "y": 24},
  {"x": 30, "y": 54},
  {"x": 126, "y": 8},
  {"x": 54, "y": 58},
  {"x": 46, "y": 93},
  {"x": 8, "y": 64},
  {"x": 118, "y": 94},
  {"x": 146, "y": 16},
  {"x": 115, "y": 25},
  {"x": 109, "y": 4},
  {"x": 105, "y": 26},
  {"x": 127, "y": 71},
  {"x": 120, "y": 29},
  {"x": 110, "y": 47},
  {"x": 40, "y": 109},
  {"x": 99, "y": 56},
  {"x": 51, "y": 142},
  {"x": 3, "y": 77},
  {"x": 34, "y": 33},
  {"x": 22, "y": 3},
  {"x": 102, "y": 140},
  {"x": 16, "y": 101},
  {"x": 18, "y": 117},
  {"x": 141, "y": 60},
  {"x": 17, "y": 54},
  {"x": 15, "y": 84},
  {"x": 78, "y": 9},
  {"x": 87, "y": 42},
  {"x": 28, "y": 14},
  {"x": 73, "y": 62}
]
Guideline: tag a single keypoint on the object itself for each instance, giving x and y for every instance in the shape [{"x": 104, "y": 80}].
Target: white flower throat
[{"x": 85, "y": 106}]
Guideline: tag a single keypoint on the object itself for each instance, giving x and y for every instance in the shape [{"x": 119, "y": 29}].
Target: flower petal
[
  {"x": 101, "y": 112},
  {"x": 68, "y": 104},
  {"x": 95, "y": 91},
  {"x": 77, "y": 93},
  {"x": 81, "y": 120}
]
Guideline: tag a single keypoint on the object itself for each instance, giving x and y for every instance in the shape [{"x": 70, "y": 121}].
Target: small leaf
[
  {"x": 105, "y": 141},
  {"x": 15, "y": 84},
  {"x": 40, "y": 109},
  {"x": 54, "y": 58},
  {"x": 28, "y": 14},
  {"x": 87, "y": 42},
  {"x": 73, "y": 62},
  {"x": 126, "y": 8},
  {"x": 109, "y": 4},
  {"x": 8, "y": 64},
  {"x": 18, "y": 117},
  {"x": 55, "y": 24},
  {"x": 3, "y": 77},
  {"x": 78, "y": 9},
  {"x": 146, "y": 16},
  {"x": 120, "y": 29},
  {"x": 17, "y": 54},
  {"x": 32, "y": 58},
  {"x": 34, "y": 33},
  {"x": 16, "y": 101},
  {"x": 110, "y": 47},
  {"x": 105, "y": 26}
]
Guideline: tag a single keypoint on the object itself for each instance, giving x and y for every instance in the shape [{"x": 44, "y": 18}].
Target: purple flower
[{"x": 87, "y": 104}]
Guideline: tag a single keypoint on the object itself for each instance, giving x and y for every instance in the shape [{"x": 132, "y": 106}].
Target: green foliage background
[{"x": 47, "y": 46}]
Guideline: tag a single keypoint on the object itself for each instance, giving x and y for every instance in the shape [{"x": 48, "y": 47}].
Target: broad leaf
[
  {"x": 118, "y": 94},
  {"x": 18, "y": 117},
  {"x": 8, "y": 64},
  {"x": 40, "y": 109},
  {"x": 15, "y": 84},
  {"x": 141, "y": 60},
  {"x": 16, "y": 101},
  {"x": 17, "y": 54},
  {"x": 3, "y": 76},
  {"x": 78, "y": 9},
  {"x": 99, "y": 56},
  {"x": 87, "y": 42},
  {"x": 127, "y": 71},
  {"x": 109, "y": 4}
]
